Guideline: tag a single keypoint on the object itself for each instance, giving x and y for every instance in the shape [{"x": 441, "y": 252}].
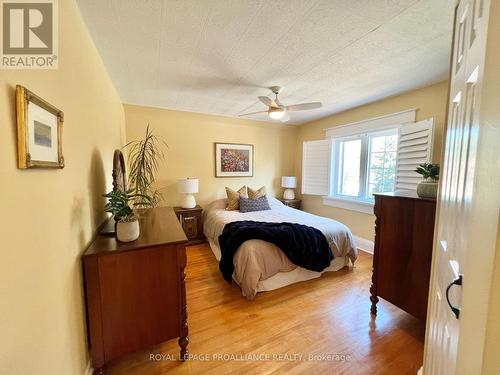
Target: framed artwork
[
  {"x": 39, "y": 131},
  {"x": 233, "y": 160}
]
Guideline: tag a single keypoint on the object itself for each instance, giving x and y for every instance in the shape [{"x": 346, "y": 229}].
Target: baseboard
[
  {"x": 364, "y": 245},
  {"x": 88, "y": 369}
]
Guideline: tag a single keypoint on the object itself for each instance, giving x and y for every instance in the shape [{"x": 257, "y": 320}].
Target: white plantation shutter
[
  {"x": 414, "y": 148},
  {"x": 316, "y": 156}
]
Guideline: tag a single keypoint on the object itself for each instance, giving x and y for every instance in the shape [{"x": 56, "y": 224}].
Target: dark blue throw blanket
[{"x": 305, "y": 246}]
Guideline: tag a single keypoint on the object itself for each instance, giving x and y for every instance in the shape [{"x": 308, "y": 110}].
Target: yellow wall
[
  {"x": 430, "y": 102},
  {"x": 190, "y": 138},
  {"x": 49, "y": 216}
]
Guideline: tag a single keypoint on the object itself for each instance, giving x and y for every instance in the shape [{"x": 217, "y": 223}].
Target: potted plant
[
  {"x": 127, "y": 222},
  {"x": 428, "y": 187},
  {"x": 144, "y": 156}
]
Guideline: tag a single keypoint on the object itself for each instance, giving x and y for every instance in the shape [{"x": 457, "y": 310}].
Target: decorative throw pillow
[
  {"x": 251, "y": 205},
  {"x": 254, "y": 194},
  {"x": 233, "y": 197}
]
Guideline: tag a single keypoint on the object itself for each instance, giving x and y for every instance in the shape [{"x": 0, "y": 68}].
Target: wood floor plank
[{"x": 312, "y": 319}]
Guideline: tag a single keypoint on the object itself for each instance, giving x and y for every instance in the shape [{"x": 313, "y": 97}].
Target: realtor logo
[{"x": 29, "y": 34}]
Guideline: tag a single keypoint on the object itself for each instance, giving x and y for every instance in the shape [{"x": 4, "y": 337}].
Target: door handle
[{"x": 455, "y": 310}]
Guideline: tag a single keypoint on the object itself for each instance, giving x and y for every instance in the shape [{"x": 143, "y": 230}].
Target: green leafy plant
[
  {"x": 430, "y": 172},
  {"x": 144, "y": 158},
  {"x": 119, "y": 204}
]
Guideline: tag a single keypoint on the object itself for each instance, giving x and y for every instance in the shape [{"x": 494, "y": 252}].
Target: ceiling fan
[{"x": 277, "y": 111}]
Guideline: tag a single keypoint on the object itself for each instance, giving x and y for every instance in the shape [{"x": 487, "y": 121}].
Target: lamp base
[
  {"x": 289, "y": 194},
  {"x": 188, "y": 201}
]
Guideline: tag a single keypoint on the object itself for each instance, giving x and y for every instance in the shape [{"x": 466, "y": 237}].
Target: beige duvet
[{"x": 258, "y": 260}]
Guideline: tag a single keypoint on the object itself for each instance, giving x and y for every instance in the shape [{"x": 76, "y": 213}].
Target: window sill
[{"x": 348, "y": 204}]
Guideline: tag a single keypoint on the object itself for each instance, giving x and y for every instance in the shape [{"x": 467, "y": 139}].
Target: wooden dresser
[
  {"x": 135, "y": 291},
  {"x": 404, "y": 231}
]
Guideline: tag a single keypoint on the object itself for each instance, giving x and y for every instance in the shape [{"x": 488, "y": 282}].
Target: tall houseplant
[
  {"x": 144, "y": 157},
  {"x": 428, "y": 187}
]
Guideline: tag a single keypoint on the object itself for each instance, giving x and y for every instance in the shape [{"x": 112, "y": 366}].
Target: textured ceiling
[{"x": 217, "y": 56}]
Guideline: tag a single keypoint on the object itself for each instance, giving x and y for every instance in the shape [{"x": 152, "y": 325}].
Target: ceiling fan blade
[
  {"x": 267, "y": 101},
  {"x": 252, "y": 113},
  {"x": 285, "y": 118},
  {"x": 303, "y": 106}
]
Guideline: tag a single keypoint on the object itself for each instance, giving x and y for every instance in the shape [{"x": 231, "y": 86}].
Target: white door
[{"x": 456, "y": 187}]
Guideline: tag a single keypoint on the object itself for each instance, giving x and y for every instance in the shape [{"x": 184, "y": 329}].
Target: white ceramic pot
[
  {"x": 427, "y": 189},
  {"x": 127, "y": 231}
]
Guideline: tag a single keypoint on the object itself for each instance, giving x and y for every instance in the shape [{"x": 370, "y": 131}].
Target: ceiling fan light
[{"x": 276, "y": 113}]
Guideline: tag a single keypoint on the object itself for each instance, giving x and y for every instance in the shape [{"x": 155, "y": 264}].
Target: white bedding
[
  {"x": 252, "y": 271},
  {"x": 281, "y": 279}
]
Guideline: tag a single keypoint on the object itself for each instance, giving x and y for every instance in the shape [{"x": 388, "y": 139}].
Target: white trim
[
  {"x": 349, "y": 204},
  {"x": 364, "y": 245},
  {"x": 390, "y": 121}
]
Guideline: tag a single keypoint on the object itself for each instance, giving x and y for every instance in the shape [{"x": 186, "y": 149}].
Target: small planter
[
  {"x": 127, "y": 231},
  {"x": 427, "y": 189}
]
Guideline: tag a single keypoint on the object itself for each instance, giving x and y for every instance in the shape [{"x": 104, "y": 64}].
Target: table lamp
[
  {"x": 289, "y": 183},
  {"x": 188, "y": 187}
]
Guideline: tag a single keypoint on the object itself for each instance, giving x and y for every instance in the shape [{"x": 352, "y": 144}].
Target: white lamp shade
[
  {"x": 188, "y": 185},
  {"x": 289, "y": 182}
]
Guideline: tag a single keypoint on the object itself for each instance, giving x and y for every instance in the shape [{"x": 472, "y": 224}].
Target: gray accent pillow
[{"x": 251, "y": 205}]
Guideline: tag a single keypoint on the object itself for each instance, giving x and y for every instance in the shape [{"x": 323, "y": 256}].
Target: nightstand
[
  {"x": 294, "y": 203},
  {"x": 191, "y": 222}
]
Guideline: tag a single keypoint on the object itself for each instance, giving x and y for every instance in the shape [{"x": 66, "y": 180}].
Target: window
[
  {"x": 347, "y": 166},
  {"x": 382, "y": 163},
  {"x": 363, "y": 165},
  {"x": 356, "y": 160}
]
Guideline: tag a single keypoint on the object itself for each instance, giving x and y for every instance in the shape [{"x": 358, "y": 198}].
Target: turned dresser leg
[
  {"x": 184, "y": 339},
  {"x": 374, "y": 299},
  {"x": 183, "y": 343}
]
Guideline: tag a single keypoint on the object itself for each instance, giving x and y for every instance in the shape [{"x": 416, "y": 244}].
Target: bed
[{"x": 261, "y": 266}]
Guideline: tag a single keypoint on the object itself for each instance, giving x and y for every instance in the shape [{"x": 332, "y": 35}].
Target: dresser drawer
[{"x": 130, "y": 321}]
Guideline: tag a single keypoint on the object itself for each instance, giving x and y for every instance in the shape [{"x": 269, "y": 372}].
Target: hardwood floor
[{"x": 325, "y": 316}]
